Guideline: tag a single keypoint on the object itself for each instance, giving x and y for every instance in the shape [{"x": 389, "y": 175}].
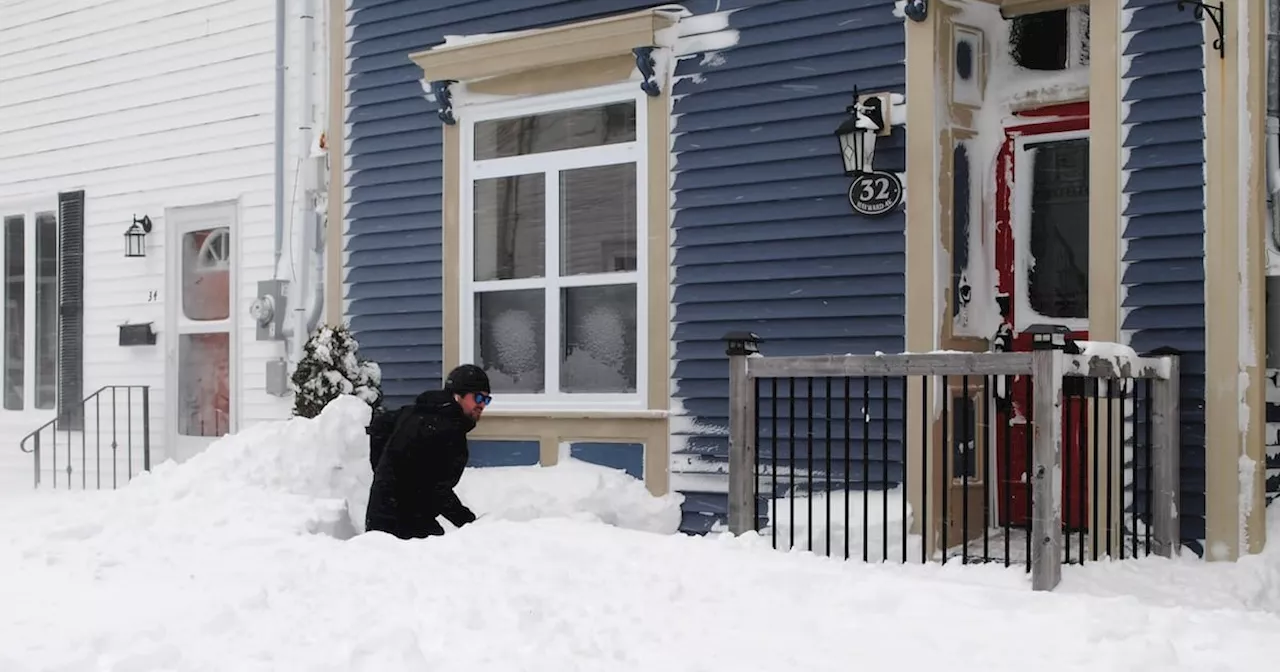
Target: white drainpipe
[{"x": 304, "y": 225}]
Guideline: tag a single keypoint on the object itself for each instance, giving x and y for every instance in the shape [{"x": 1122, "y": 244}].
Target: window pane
[
  {"x": 46, "y": 310},
  {"x": 598, "y": 339},
  {"x": 511, "y": 339},
  {"x": 1039, "y": 41},
  {"x": 556, "y": 131},
  {"x": 510, "y": 216},
  {"x": 1058, "y": 280},
  {"x": 206, "y": 274},
  {"x": 15, "y": 307},
  {"x": 598, "y": 219},
  {"x": 204, "y": 389}
]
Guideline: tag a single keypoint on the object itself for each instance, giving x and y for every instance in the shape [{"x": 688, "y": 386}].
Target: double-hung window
[
  {"x": 29, "y": 255},
  {"x": 553, "y": 289}
]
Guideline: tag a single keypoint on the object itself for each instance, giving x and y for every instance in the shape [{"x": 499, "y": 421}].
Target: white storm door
[{"x": 201, "y": 345}]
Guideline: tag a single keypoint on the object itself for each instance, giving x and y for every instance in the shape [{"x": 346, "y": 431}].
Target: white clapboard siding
[{"x": 147, "y": 105}]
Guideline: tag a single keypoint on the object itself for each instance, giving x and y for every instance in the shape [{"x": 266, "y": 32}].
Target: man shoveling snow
[{"x": 425, "y": 454}]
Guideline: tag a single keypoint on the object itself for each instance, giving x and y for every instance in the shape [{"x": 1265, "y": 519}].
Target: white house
[{"x": 197, "y": 123}]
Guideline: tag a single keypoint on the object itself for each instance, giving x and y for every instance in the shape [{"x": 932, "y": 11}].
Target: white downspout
[
  {"x": 320, "y": 169},
  {"x": 278, "y": 177},
  {"x": 305, "y": 218}
]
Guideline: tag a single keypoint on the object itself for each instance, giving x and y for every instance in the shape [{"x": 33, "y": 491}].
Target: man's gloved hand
[{"x": 462, "y": 517}]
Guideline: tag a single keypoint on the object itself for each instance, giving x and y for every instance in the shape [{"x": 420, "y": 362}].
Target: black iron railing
[
  {"x": 940, "y": 457},
  {"x": 102, "y": 443}
]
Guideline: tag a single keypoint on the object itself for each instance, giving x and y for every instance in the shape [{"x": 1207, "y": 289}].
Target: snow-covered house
[
  {"x": 195, "y": 126},
  {"x": 675, "y": 174}
]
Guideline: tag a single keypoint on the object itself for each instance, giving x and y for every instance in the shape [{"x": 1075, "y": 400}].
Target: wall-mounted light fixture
[
  {"x": 916, "y": 10},
  {"x": 135, "y": 237},
  {"x": 872, "y": 193},
  {"x": 857, "y": 134}
]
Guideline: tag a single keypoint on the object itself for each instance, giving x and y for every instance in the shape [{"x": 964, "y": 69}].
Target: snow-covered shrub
[{"x": 331, "y": 367}]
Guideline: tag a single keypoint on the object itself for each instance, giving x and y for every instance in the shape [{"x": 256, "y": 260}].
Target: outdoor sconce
[
  {"x": 1052, "y": 337},
  {"x": 857, "y": 134},
  {"x": 135, "y": 237},
  {"x": 872, "y": 193}
]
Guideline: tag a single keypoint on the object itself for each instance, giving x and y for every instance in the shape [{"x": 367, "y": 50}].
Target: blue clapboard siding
[
  {"x": 625, "y": 457},
  {"x": 394, "y": 237},
  {"x": 764, "y": 236},
  {"x": 494, "y": 453},
  {"x": 765, "y": 240},
  {"x": 1164, "y": 216}
]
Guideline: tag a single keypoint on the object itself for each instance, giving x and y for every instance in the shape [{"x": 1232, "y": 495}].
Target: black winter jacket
[{"x": 416, "y": 473}]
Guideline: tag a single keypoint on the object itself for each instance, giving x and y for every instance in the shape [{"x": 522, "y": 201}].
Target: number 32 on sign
[{"x": 875, "y": 194}]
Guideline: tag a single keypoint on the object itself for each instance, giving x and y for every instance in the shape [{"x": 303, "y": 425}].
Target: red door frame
[{"x": 1012, "y": 444}]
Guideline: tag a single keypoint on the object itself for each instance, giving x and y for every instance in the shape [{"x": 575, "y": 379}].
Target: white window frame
[
  {"x": 28, "y": 211},
  {"x": 1020, "y": 205},
  {"x": 550, "y": 163}
]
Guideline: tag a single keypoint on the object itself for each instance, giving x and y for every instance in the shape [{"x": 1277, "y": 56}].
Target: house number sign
[{"x": 875, "y": 194}]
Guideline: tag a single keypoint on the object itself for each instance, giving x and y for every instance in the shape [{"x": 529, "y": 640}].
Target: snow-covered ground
[{"x": 245, "y": 558}]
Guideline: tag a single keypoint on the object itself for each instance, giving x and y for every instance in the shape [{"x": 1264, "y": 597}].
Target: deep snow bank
[
  {"x": 320, "y": 467},
  {"x": 1252, "y": 582},
  {"x": 572, "y": 489}
]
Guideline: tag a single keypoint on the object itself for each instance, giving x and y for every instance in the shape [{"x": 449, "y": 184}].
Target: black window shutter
[{"x": 71, "y": 310}]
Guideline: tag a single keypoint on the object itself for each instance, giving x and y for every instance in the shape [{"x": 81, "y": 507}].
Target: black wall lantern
[
  {"x": 857, "y": 135},
  {"x": 135, "y": 237},
  {"x": 872, "y": 193}
]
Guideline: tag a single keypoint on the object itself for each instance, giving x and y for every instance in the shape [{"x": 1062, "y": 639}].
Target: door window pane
[
  {"x": 598, "y": 339},
  {"x": 510, "y": 228},
  {"x": 15, "y": 307},
  {"x": 206, "y": 274},
  {"x": 598, "y": 219},
  {"x": 204, "y": 384},
  {"x": 556, "y": 131},
  {"x": 510, "y": 343},
  {"x": 46, "y": 310},
  {"x": 1058, "y": 275}
]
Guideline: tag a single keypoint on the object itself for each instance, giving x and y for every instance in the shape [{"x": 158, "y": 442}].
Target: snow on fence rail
[
  {"x": 100, "y": 443},
  {"x": 929, "y": 457}
]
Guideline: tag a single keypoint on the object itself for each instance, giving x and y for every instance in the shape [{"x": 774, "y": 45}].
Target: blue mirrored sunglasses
[{"x": 482, "y": 398}]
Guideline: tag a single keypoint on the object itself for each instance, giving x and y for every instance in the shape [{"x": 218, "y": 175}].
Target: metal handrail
[{"x": 97, "y": 398}]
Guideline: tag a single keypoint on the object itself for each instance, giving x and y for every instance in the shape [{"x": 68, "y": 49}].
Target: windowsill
[{"x": 481, "y": 58}]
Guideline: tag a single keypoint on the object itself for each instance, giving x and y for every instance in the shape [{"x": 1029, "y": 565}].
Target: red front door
[{"x": 1042, "y": 263}]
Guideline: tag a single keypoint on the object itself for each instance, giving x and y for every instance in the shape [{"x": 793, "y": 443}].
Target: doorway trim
[{"x": 933, "y": 123}]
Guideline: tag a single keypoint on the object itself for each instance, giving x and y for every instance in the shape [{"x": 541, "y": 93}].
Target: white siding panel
[{"x": 146, "y": 105}]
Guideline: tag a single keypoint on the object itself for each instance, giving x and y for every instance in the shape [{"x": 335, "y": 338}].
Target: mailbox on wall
[{"x": 137, "y": 334}]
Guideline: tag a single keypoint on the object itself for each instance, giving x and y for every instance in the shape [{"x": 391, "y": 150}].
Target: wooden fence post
[
  {"x": 1046, "y": 505},
  {"x": 742, "y": 438},
  {"x": 1166, "y": 461}
]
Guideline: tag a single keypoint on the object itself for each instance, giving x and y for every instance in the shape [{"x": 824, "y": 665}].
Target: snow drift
[
  {"x": 216, "y": 564},
  {"x": 312, "y": 476}
]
